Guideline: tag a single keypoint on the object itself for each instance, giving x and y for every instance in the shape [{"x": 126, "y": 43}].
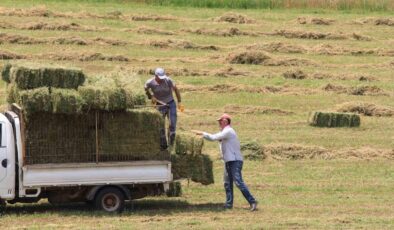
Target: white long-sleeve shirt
[{"x": 229, "y": 143}]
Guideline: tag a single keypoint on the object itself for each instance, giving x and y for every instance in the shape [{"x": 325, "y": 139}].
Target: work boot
[
  {"x": 253, "y": 206},
  {"x": 172, "y": 139}
]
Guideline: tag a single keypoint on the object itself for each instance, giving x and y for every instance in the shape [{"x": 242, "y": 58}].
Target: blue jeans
[
  {"x": 169, "y": 111},
  {"x": 232, "y": 173}
]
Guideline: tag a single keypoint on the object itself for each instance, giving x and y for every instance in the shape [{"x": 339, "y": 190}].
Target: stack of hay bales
[
  {"x": 331, "y": 119},
  {"x": 62, "y": 90},
  {"x": 66, "y": 115},
  {"x": 188, "y": 161}
]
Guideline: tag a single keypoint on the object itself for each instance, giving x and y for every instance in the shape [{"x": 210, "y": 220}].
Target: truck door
[{"x": 3, "y": 153}]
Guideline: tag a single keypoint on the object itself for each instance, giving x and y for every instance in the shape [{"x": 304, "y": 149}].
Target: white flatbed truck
[{"x": 105, "y": 184}]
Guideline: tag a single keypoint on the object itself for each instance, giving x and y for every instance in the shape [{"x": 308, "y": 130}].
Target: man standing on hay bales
[
  {"x": 162, "y": 86},
  {"x": 232, "y": 156}
]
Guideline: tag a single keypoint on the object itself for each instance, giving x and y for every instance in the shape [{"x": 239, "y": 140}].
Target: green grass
[{"x": 303, "y": 194}]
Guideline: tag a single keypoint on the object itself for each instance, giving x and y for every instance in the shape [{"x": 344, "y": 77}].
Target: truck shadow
[{"x": 144, "y": 207}]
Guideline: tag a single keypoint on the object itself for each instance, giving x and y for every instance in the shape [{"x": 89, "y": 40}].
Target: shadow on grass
[{"x": 145, "y": 207}]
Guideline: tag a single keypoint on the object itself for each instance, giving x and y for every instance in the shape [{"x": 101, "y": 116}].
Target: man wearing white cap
[
  {"x": 162, "y": 86},
  {"x": 232, "y": 156}
]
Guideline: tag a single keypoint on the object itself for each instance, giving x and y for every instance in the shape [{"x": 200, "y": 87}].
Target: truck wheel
[
  {"x": 3, "y": 205},
  {"x": 110, "y": 200}
]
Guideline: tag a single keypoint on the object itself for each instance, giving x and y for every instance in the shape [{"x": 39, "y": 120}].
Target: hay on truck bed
[
  {"x": 34, "y": 76},
  {"x": 71, "y": 138},
  {"x": 62, "y": 120},
  {"x": 330, "y": 119}
]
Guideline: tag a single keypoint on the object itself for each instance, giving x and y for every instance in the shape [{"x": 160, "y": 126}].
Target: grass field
[{"x": 345, "y": 57}]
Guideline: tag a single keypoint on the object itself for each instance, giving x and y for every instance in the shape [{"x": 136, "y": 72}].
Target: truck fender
[{"x": 92, "y": 193}]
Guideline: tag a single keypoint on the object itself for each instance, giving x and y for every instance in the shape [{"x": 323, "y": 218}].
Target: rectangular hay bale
[
  {"x": 331, "y": 119},
  {"x": 188, "y": 143},
  {"x": 199, "y": 168},
  {"x": 66, "y": 101},
  {"x": 35, "y": 100},
  {"x": 31, "y": 76}
]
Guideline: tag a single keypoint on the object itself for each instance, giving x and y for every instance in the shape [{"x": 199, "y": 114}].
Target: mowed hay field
[{"x": 269, "y": 69}]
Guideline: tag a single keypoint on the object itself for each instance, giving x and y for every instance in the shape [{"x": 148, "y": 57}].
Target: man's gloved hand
[
  {"x": 181, "y": 107},
  {"x": 153, "y": 100}
]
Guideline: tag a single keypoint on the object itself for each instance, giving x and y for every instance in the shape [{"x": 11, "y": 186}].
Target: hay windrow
[
  {"x": 83, "y": 57},
  {"x": 152, "y": 18},
  {"x": 40, "y": 11},
  {"x": 294, "y": 74},
  {"x": 331, "y": 119},
  {"x": 307, "y": 35},
  {"x": 58, "y": 26},
  {"x": 248, "y": 109},
  {"x": 356, "y": 90},
  {"x": 375, "y": 21},
  {"x": 367, "y": 109},
  {"x": 18, "y": 39},
  {"x": 289, "y": 151},
  {"x": 5, "y": 55},
  {"x": 250, "y": 57},
  {"x": 229, "y": 32},
  {"x": 180, "y": 44},
  {"x": 70, "y": 41},
  {"x": 278, "y": 47},
  {"x": 233, "y": 17},
  {"x": 149, "y": 30},
  {"x": 316, "y": 21}
]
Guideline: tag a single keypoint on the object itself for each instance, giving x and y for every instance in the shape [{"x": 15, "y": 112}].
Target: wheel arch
[{"x": 95, "y": 190}]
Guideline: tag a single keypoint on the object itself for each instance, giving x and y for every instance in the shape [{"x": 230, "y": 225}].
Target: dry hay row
[
  {"x": 227, "y": 32},
  {"x": 262, "y": 58},
  {"x": 43, "y": 12},
  {"x": 248, "y": 109},
  {"x": 150, "y": 30},
  {"x": 289, "y": 151},
  {"x": 64, "y": 26},
  {"x": 180, "y": 44},
  {"x": 375, "y": 21},
  {"x": 316, "y": 35},
  {"x": 363, "y": 90},
  {"x": 315, "y": 21},
  {"x": 365, "y": 108},
  {"x": 222, "y": 72},
  {"x": 19, "y": 39},
  {"x": 286, "y": 90},
  {"x": 229, "y": 17},
  {"x": 6, "y": 55},
  {"x": 299, "y": 74},
  {"x": 321, "y": 49},
  {"x": 231, "y": 88}
]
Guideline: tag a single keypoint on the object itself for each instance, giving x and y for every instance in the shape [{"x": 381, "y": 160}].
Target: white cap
[{"x": 160, "y": 73}]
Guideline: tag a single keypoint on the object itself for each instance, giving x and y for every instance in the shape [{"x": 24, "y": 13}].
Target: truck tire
[
  {"x": 110, "y": 199},
  {"x": 3, "y": 205}
]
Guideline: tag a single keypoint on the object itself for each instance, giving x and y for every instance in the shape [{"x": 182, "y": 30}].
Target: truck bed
[{"x": 75, "y": 174}]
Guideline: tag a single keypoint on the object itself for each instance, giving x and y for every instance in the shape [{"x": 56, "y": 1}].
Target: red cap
[{"x": 224, "y": 116}]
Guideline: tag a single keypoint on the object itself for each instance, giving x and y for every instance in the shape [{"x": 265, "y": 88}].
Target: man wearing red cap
[{"x": 232, "y": 156}]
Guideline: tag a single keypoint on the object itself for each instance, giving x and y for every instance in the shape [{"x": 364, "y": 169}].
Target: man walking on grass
[{"x": 232, "y": 156}]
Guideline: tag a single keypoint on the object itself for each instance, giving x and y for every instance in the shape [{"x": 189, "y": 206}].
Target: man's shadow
[{"x": 145, "y": 207}]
